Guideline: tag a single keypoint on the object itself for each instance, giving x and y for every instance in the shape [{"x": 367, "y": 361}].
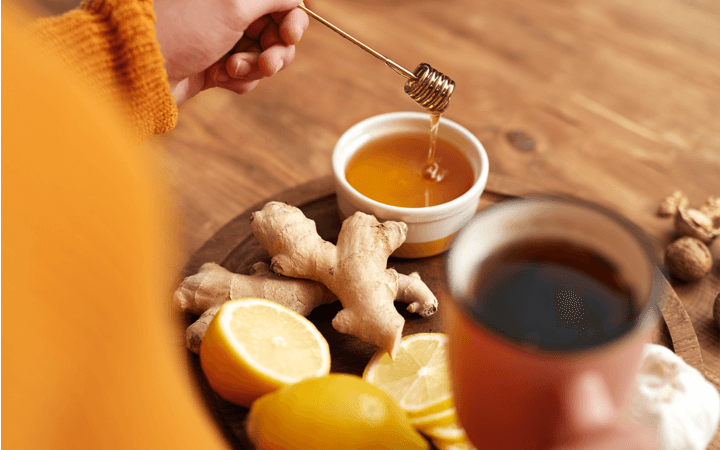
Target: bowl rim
[{"x": 428, "y": 213}]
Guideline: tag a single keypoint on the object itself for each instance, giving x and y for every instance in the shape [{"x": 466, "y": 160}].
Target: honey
[
  {"x": 433, "y": 170},
  {"x": 391, "y": 169}
]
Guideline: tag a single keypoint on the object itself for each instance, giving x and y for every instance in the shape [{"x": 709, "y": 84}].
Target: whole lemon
[{"x": 334, "y": 411}]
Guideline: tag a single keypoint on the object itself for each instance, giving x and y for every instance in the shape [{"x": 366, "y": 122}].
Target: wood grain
[
  {"x": 619, "y": 99},
  {"x": 235, "y": 248}
]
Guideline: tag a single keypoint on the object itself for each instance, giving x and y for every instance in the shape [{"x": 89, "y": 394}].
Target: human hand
[
  {"x": 231, "y": 44},
  {"x": 619, "y": 439},
  {"x": 589, "y": 419}
]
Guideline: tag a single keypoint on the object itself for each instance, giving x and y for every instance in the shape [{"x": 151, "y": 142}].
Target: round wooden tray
[{"x": 235, "y": 248}]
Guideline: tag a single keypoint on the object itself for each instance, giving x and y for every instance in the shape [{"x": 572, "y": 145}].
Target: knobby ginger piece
[
  {"x": 355, "y": 269},
  {"x": 213, "y": 285}
]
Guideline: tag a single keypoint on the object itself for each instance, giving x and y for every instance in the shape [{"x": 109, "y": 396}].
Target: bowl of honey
[{"x": 412, "y": 167}]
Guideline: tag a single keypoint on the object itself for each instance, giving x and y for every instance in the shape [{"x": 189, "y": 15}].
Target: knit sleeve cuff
[{"x": 112, "y": 45}]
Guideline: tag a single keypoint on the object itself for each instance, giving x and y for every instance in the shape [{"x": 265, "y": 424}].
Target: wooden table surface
[{"x": 621, "y": 101}]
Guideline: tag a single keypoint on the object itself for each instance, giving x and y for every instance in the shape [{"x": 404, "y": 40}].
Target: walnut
[
  {"x": 670, "y": 205},
  {"x": 716, "y": 310},
  {"x": 711, "y": 208},
  {"x": 695, "y": 223},
  {"x": 715, "y": 249},
  {"x": 688, "y": 259}
]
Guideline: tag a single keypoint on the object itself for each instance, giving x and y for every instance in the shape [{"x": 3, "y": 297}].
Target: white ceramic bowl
[{"x": 430, "y": 229}]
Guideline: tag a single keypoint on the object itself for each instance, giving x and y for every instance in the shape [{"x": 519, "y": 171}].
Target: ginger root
[
  {"x": 205, "y": 292},
  {"x": 355, "y": 269}
]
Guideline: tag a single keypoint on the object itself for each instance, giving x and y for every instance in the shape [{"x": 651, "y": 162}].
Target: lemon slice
[
  {"x": 462, "y": 445},
  {"x": 446, "y": 417},
  {"x": 254, "y": 346},
  {"x": 452, "y": 433},
  {"x": 418, "y": 377}
]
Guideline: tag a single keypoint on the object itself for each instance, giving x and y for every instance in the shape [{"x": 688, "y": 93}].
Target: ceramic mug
[
  {"x": 430, "y": 229},
  {"x": 552, "y": 301}
]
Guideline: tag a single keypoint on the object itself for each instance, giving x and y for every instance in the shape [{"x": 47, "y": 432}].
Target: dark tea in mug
[
  {"x": 551, "y": 305},
  {"x": 553, "y": 296}
]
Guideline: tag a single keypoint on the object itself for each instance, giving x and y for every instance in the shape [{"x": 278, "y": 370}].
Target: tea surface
[{"x": 554, "y": 298}]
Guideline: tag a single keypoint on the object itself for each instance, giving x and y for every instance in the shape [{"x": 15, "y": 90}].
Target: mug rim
[{"x": 646, "y": 317}]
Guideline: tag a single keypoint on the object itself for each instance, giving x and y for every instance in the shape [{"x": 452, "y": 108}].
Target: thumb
[{"x": 590, "y": 403}]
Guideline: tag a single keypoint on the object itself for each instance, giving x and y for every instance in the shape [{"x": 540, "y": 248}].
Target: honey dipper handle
[{"x": 397, "y": 68}]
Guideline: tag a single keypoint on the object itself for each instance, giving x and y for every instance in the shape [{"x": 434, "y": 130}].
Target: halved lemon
[
  {"x": 255, "y": 346},
  {"x": 417, "y": 378}
]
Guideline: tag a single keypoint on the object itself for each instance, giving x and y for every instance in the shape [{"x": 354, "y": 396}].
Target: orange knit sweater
[
  {"x": 111, "y": 44},
  {"x": 90, "y": 351}
]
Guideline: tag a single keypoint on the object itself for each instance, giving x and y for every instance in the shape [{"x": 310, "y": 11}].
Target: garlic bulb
[{"x": 676, "y": 400}]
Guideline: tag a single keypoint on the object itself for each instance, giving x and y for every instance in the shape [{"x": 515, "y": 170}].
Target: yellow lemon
[
  {"x": 254, "y": 346},
  {"x": 333, "y": 412},
  {"x": 418, "y": 377}
]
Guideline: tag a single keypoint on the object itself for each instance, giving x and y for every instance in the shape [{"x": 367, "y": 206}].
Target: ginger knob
[
  {"x": 688, "y": 259},
  {"x": 355, "y": 269}
]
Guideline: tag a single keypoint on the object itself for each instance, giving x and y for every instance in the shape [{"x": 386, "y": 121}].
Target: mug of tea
[
  {"x": 378, "y": 169},
  {"x": 552, "y": 302}
]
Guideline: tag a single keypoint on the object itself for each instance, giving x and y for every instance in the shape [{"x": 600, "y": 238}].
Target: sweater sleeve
[{"x": 112, "y": 45}]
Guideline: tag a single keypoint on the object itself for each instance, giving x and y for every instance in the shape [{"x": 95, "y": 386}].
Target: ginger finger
[
  {"x": 413, "y": 291},
  {"x": 355, "y": 269},
  {"x": 213, "y": 285},
  {"x": 195, "y": 333}
]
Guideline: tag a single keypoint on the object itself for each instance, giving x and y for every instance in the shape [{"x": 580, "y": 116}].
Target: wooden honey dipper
[{"x": 428, "y": 87}]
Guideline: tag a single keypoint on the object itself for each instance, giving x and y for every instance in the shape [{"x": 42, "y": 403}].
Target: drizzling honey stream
[{"x": 430, "y": 88}]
